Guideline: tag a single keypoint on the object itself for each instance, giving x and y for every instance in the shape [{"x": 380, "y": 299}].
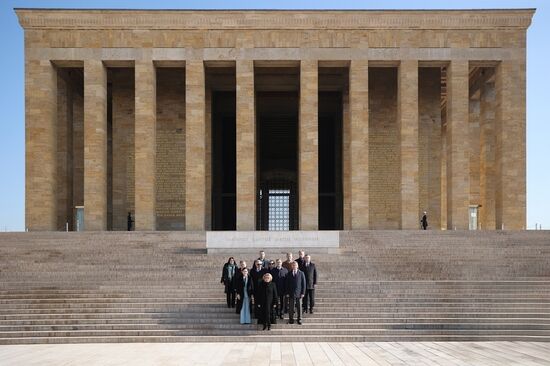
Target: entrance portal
[{"x": 277, "y": 120}]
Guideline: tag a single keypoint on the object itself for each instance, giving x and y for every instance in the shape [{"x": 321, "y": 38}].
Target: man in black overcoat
[
  {"x": 310, "y": 272},
  {"x": 257, "y": 274},
  {"x": 301, "y": 259},
  {"x": 295, "y": 287},
  {"x": 279, "y": 276}
]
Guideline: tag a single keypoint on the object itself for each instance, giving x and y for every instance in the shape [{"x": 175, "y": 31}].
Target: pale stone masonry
[
  {"x": 458, "y": 173},
  {"x": 246, "y": 146},
  {"x": 40, "y": 138},
  {"x": 359, "y": 145},
  {"x": 408, "y": 119},
  {"x": 308, "y": 145},
  {"x": 195, "y": 147},
  {"x": 95, "y": 145},
  {"x": 145, "y": 145},
  {"x": 126, "y": 110}
]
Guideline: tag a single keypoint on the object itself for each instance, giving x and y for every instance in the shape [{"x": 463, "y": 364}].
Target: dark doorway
[
  {"x": 224, "y": 160},
  {"x": 330, "y": 161},
  {"x": 277, "y": 124}
]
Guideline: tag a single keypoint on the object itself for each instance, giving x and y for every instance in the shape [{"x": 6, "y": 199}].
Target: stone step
[
  {"x": 216, "y": 307},
  {"x": 246, "y": 331},
  {"x": 114, "y": 313},
  {"x": 333, "y": 285},
  {"x": 306, "y": 325},
  {"x": 295, "y": 331},
  {"x": 326, "y": 301},
  {"x": 273, "y": 338},
  {"x": 230, "y": 320}
]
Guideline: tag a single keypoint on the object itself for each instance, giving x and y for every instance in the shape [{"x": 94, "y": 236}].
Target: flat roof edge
[
  {"x": 271, "y": 9},
  {"x": 71, "y": 18}
]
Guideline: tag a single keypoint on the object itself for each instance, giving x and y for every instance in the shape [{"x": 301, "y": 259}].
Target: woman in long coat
[
  {"x": 229, "y": 272},
  {"x": 266, "y": 298},
  {"x": 245, "y": 287}
]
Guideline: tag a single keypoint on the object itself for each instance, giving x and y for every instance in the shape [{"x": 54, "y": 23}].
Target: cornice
[{"x": 273, "y": 19}]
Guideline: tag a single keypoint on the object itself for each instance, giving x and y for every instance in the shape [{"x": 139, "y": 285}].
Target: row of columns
[{"x": 41, "y": 127}]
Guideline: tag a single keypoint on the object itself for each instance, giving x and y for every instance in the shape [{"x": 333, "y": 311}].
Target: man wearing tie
[
  {"x": 310, "y": 273},
  {"x": 279, "y": 274},
  {"x": 263, "y": 259},
  {"x": 295, "y": 287}
]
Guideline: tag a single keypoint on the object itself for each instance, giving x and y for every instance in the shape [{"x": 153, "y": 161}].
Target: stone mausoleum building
[{"x": 275, "y": 120}]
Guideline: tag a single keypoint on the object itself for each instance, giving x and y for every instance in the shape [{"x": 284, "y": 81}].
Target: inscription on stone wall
[{"x": 272, "y": 239}]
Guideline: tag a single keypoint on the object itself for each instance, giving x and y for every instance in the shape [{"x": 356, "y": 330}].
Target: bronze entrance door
[{"x": 277, "y": 202}]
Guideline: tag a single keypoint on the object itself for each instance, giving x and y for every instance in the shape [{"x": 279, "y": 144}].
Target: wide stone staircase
[{"x": 383, "y": 286}]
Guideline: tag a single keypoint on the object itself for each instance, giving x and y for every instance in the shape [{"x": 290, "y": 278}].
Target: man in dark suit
[
  {"x": 265, "y": 261},
  {"x": 295, "y": 287},
  {"x": 279, "y": 274},
  {"x": 257, "y": 274},
  {"x": 301, "y": 259},
  {"x": 310, "y": 272}
]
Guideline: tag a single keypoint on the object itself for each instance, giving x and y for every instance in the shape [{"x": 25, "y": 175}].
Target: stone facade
[{"x": 118, "y": 114}]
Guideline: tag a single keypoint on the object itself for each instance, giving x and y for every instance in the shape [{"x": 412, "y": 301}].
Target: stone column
[
  {"x": 246, "y": 147},
  {"x": 309, "y": 146},
  {"x": 145, "y": 146},
  {"x": 195, "y": 146},
  {"x": 95, "y": 145},
  {"x": 510, "y": 140},
  {"x": 40, "y": 145},
  {"x": 64, "y": 154},
  {"x": 474, "y": 149},
  {"x": 487, "y": 156},
  {"x": 346, "y": 160},
  {"x": 408, "y": 119},
  {"x": 123, "y": 137},
  {"x": 359, "y": 141},
  {"x": 429, "y": 144},
  {"x": 458, "y": 173}
]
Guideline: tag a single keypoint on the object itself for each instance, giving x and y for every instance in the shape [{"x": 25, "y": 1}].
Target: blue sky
[{"x": 12, "y": 136}]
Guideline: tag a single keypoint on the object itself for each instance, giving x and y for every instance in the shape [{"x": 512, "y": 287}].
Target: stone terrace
[{"x": 383, "y": 286}]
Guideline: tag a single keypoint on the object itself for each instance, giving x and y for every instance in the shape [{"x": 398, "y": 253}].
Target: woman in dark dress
[
  {"x": 229, "y": 272},
  {"x": 266, "y": 298}
]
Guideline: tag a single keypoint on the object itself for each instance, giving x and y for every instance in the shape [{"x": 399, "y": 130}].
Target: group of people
[{"x": 271, "y": 288}]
